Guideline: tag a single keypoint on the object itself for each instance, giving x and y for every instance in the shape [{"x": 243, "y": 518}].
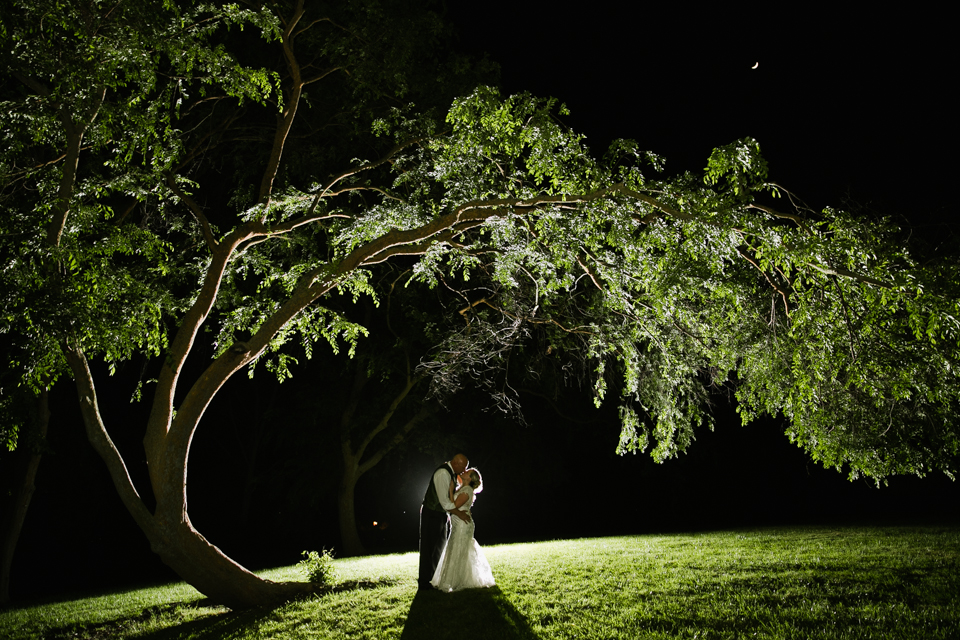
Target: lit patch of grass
[{"x": 791, "y": 583}]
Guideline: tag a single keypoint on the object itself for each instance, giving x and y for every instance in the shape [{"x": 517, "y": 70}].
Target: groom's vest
[{"x": 430, "y": 499}]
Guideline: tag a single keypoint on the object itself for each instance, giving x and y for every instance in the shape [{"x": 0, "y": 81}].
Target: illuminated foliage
[{"x": 158, "y": 183}]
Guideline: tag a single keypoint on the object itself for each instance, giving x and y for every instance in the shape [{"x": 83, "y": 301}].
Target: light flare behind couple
[{"x": 455, "y": 562}]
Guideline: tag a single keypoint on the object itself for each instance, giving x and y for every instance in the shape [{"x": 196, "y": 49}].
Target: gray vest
[{"x": 430, "y": 499}]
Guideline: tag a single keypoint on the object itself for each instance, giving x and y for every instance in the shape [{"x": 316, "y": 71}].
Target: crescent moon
[{"x": 755, "y": 65}]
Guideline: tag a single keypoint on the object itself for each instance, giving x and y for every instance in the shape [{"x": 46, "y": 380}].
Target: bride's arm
[{"x": 461, "y": 499}]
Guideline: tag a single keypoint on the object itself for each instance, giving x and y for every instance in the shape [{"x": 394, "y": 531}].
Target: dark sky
[
  {"x": 843, "y": 105},
  {"x": 842, "y": 102}
]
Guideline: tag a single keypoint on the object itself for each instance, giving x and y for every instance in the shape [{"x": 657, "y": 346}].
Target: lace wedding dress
[{"x": 462, "y": 564}]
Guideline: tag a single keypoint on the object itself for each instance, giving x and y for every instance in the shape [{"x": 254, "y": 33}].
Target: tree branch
[
  {"x": 783, "y": 294},
  {"x": 321, "y": 76},
  {"x": 846, "y": 273},
  {"x": 286, "y": 118},
  {"x": 161, "y": 413},
  {"x": 371, "y": 165},
  {"x": 426, "y": 410},
  {"x": 68, "y": 179},
  {"x": 463, "y": 311},
  {"x": 195, "y": 210},
  {"x": 100, "y": 439},
  {"x": 801, "y": 221}
]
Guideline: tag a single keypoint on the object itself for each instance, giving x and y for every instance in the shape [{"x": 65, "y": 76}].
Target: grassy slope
[{"x": 785, "y": 583}]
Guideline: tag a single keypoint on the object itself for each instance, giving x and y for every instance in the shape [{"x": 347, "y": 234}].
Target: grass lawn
[{"x": 770, "y": 583}]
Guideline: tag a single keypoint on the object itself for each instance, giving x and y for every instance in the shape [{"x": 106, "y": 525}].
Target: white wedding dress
[{"x": 462, "y": 564}]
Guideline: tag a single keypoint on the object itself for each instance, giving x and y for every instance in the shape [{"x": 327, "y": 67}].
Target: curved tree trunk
[
  {"x": 212, "y": 573},
  {"x": 169, "y": 530},
  {"x": 21, "y": 502}
]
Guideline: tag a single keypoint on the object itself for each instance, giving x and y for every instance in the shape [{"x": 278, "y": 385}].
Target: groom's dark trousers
[{"x": 433, "y": 535}]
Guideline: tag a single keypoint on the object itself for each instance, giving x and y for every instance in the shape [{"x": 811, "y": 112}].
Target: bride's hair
[{"x": 475, "y": 480}]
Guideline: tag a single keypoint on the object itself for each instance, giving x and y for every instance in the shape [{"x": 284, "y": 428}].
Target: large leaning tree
[{"x": 161, "y": 181}]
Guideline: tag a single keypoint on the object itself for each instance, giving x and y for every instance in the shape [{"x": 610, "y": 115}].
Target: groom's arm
[{"x": 441, "y": 482}]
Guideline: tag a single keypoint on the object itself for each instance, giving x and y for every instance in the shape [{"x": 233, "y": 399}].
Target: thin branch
[
  {"x": 371, "y": 165},
  {"x": 194, "y": 209},
  {"x": 800, "y": 220},
  {"x": 383, "y": 192},
  {"x": 323, "y": 75},
  {"x": 589, "y": 272},
  {"x": 389, "y": 301},
  {"x": 426, "y": 410},
  {"x": 471, "y": 305},
  {"x": 385, "y": 420},
  {"x": 846, "y": 273},
  {"x": 275, "y": 232},
  {"x": 783, "y": 294},
  {"x": 318, "y": 20},
  {"x": 286, "y": 118},
  {"x": 44, "y": 164},
  {"x": 846, "y": 315},
  {"x": 577, "y": 330},
  {"x": 555, "y": 408},
  {"x": 31, "y": 83}
]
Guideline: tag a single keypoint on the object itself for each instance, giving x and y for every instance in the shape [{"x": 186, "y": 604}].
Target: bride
[{"x": 462, "y": 564}]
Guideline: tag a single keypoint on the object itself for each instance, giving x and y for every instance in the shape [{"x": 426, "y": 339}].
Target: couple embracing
[{"x": 455, "y": 563}]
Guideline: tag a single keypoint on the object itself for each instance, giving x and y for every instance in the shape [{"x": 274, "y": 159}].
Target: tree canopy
[{"x": 158, "y": 183}]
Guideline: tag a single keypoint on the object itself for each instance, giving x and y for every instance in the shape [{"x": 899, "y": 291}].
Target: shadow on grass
[
  {"x": 216, "y": 623},
  {"x": 213, "y": 625},
  {"x": 486, "y": 612}
]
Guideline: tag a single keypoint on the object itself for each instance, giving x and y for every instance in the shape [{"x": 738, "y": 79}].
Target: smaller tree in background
[{"x": 385, "y": 400}]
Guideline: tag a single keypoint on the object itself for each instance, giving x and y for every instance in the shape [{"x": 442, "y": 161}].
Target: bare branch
[
  {"x": 383, "y": 192},
  {"x": 385, "y": 419},
  {"x": 426, "y": 410},
  {"x": 589, "y": 272},
  {"x": 321, "y": 76}
]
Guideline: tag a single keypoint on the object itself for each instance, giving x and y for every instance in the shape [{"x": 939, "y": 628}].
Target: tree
[
  {"x": 666, "y": 286},
  {"x": 29, "y": 454},
  {"x": 382, "y": 369}
]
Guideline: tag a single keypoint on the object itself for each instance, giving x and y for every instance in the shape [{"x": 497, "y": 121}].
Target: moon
[{"x": 755, "y": 65}]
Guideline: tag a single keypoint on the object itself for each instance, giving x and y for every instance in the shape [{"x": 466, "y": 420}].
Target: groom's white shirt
[{"x": 441, "y": 482}]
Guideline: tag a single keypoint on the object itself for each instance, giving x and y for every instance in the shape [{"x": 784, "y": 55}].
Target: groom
[{"x": 433, "y": 517}]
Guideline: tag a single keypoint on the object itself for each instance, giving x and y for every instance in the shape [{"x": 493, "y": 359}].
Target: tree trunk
[
  {"x": 350, "y": 544},
  {"x": 353, "y": 469},
  {"x": 212, "y": 573},
  {"x": 21, "y": 502},
  {"x": 168, "y": 529}
]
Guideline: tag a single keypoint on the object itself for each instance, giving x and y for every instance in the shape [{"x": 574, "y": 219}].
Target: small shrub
[{"x": 318, "y": 567}]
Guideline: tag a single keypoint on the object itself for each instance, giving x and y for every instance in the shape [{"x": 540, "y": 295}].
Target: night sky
[{"x": 844, "y": 106}]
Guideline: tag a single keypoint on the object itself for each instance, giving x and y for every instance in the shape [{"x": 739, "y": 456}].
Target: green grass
[{"x": 771, "y": 583}]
